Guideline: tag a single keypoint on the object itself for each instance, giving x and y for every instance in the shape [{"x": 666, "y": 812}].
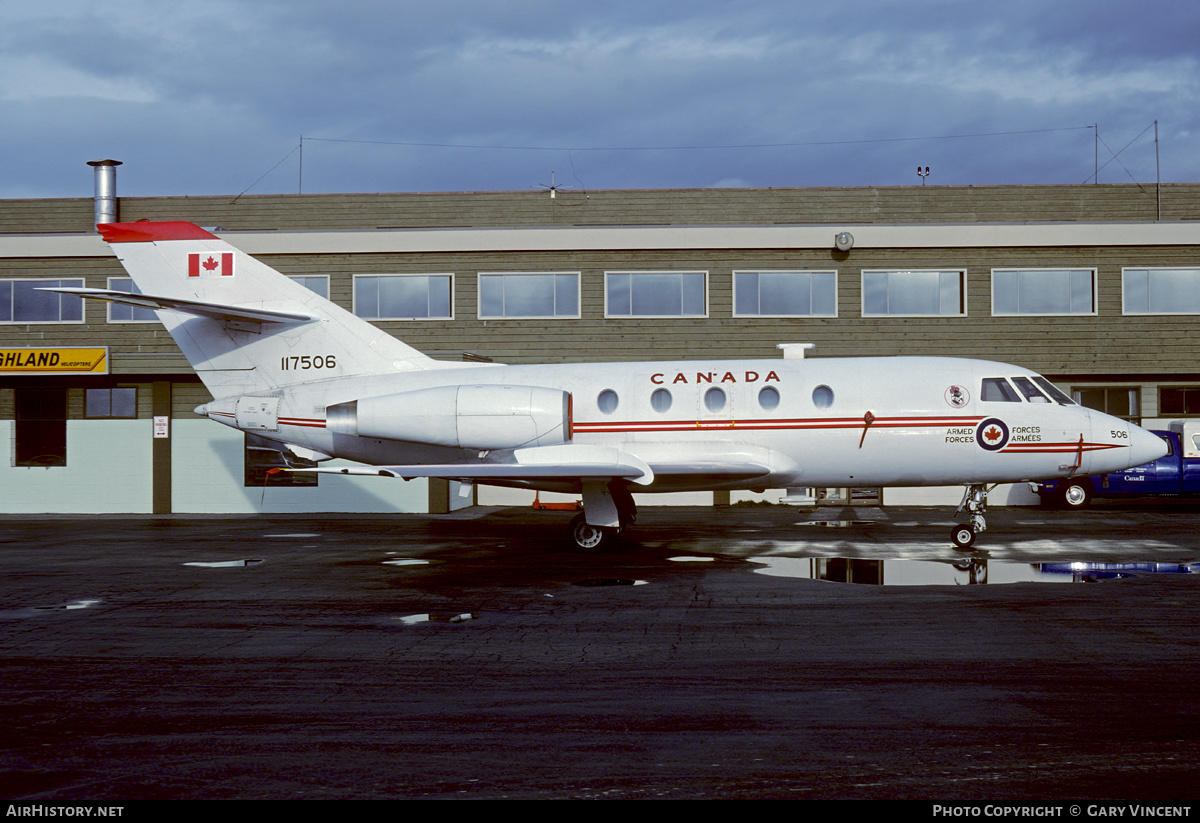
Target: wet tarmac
[{"x": 473, "y": 656}]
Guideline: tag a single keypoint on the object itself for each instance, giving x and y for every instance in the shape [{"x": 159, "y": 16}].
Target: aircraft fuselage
[{"x": 902, "y": 421}]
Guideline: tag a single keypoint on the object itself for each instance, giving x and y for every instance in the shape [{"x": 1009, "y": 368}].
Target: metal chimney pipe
[{"x": 106, "y": 190}]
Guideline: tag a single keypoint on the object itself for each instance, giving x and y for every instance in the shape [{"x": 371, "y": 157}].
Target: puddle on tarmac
[
  {"x": 961, "y": 572},
  {"x": 75, "y": 604},
  {"x": 610, "y": 581},
  {"x": 414, "y": 619}
]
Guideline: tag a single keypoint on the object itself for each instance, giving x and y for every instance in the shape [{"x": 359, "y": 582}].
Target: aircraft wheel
[
  {"x": 962, "y": 536},
  {"x": 1075, "y": 494},
  {"x": 590, "y": 538}
]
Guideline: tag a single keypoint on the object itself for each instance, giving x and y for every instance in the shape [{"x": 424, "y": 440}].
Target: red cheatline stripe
[
  {"x": 300, "y": 421},
  {"x": 794, "y": 423},
  {"x": 1058, "y": 447}
]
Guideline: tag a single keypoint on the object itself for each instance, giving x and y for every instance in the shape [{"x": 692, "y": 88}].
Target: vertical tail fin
[{"x": 198, "y": 275}]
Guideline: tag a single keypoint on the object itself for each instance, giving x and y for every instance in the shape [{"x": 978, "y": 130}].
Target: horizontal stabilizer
[
  {"x": 216, "y": 311},
  {"x": 546, "y": 462}
]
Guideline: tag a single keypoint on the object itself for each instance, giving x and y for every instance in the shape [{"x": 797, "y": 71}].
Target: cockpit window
[
  {"x": 1053, "y": 390},
  {"x": 996, "y": 389},
  {"x": 1029, "y": 390}
]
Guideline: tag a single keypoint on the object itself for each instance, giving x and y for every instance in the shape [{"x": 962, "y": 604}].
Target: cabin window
[
  {"x": 121, "y": 313},
  {"x": 913, "y": 293},
  {"x": 1160, "y": 291},
  {"x": 768, "y": 398},
  {"x": 997, "y": 390},
  {"x": 1043, "y": 291},
  {"x": 1025, "y": 385},
  {"x": 554, "y": 294},
  {"x": 1056, "y": 394},
  {"x": 822, "y": 397},
  {"x": 607, "y": 401},
  {"x": 402, "y": 296},
  {"x": 714, "y": 399},
  {"x": 21, "y": 302},
  {"x": 655, "y": 294},
  {"x": 785, "y": 294},
  {"x": 660, "y": 400}
]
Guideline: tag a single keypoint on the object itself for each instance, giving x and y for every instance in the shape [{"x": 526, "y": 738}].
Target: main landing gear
[
  {"x": 974, "y": 503},
  {"x": 608, "y": 509}
]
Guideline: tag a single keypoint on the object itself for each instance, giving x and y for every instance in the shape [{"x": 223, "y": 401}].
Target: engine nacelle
[{"x": 464, "y": 417}]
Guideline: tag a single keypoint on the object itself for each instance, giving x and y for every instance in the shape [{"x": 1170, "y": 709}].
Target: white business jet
[{"x": 285, "y": 364}]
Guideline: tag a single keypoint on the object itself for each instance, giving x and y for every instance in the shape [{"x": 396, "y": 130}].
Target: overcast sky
[{"x": 213, "y": 97}]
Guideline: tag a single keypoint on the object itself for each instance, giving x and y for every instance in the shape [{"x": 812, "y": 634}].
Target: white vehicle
[{"x": 289, "y": 366}]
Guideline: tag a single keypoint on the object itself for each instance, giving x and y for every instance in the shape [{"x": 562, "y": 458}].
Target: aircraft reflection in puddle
[{"x": 959, "y": 572}]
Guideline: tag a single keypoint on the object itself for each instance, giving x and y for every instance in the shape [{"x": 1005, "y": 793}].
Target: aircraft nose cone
[{"x": 1144, "y": 447}]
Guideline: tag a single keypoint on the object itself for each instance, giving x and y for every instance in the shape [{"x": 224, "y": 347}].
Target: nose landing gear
[{"x": 974, "y": 503}]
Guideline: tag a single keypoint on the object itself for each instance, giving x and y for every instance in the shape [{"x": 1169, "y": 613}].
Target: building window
[
  {"x": 121, "y": 313},
  {"x": 785, "y": 294},
  {"x": 1160, "y": 291},
  {"x": 553, "y": 294},
  {"x": 263, "y": 455},
  {"x": 913, "y": 293},
  {"x": 1043, "y": 291},
  {"x": 119, "y": 402},
  {"x": 1120, "y": 401},
  {"x": 1178, "y": 400},
  {"x": 655, "y": 293},
  {"x": 315, "y": 283},
  {"x": 402, "y": 296},
  {"x": 21, "y": 302},
  {"x": 41, "y": 427}
]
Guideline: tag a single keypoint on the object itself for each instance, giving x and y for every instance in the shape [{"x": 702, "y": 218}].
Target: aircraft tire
[
  {"x": 1075, "y": 494},
  {"x": 962, "y": 536},
  {"x": 589, "y": 538}
]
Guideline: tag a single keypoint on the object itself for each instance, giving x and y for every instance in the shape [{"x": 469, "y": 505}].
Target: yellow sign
[{"x": 54, "y": 361}]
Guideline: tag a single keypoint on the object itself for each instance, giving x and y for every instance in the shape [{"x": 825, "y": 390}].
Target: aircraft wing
[
  {"x": 544, "y": 462},
  {"x": 575, "y": 461},
  {"x": 213, "y": 310}
]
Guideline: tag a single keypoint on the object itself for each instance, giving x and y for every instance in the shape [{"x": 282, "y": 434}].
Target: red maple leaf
[
  {"x": 210, "y": 263},
  {"x": 992, "y": 433}
]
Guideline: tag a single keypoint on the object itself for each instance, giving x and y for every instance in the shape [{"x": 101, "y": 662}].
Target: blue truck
[{"x": 1175, "y": 475}]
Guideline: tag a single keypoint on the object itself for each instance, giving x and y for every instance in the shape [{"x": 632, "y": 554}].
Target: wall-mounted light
[{"x": 844, "y": 241}]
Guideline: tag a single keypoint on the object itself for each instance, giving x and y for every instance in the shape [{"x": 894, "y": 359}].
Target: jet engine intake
[{"x": 464, "y": 417}]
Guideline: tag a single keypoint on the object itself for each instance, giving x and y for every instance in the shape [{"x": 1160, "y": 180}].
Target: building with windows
[{"x": 1097, "y": 287}]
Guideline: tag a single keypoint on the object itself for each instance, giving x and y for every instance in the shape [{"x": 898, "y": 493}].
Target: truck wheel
[{"x": 1075, "y": 494}]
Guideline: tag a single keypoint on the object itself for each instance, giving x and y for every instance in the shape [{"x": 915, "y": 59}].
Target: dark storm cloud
[{"x": 206, "y": 98}]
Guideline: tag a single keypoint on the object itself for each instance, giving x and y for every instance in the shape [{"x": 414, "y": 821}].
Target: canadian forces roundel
[{"x": 992, "y": 434}]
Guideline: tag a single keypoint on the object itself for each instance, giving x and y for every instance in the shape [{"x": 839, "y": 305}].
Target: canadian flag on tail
[{"x": 210, "y": 265}]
